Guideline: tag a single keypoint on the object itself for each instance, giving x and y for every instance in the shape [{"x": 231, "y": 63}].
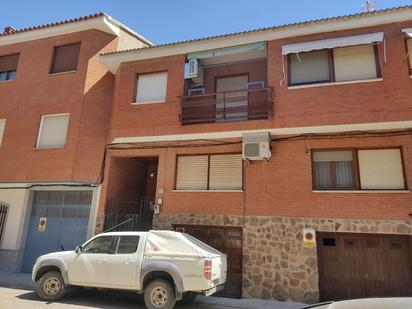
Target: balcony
[{"x": 227, "y": 106}]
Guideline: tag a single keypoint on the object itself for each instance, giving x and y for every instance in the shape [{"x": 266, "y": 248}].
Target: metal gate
[
  {"x": 129, "y": 215},
  {"x": 58, "y": 221}
]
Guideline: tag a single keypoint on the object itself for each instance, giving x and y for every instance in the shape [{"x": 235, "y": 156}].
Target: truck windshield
[{"x": 200, "y": 244}]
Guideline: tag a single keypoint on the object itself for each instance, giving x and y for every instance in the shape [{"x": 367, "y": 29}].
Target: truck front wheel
[
  {"x": 159, "y": 294},
  {"x": 51, "y": 286}
]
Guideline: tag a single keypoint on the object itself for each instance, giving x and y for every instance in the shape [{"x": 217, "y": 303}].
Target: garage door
[
  {"x": 229, "y": 241},
  {"x": 58, "y": 221},
  {"x": 364, "y": 265}
]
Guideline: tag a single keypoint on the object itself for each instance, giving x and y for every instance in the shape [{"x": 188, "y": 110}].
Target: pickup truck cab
[{"x": 165, "y": 266}]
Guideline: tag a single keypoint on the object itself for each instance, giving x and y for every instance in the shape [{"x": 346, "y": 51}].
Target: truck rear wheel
[
  {"x": 159, "y": 294},
  {"x": 51, "y": 286}
]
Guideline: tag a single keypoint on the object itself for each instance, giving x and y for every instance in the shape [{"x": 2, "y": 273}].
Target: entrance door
[
  {"x": 232, "y": 105},
  {"x": 58, "y": 221},
  {"x": 364, "y": 265},
  {"x": 227, "y": 240}
]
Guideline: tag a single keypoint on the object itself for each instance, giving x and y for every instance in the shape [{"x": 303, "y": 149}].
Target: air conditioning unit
[
  {"x": 193, "y": 68},
  {"x": 256, "y": 146},
  {"x": 194, "y": 71}
]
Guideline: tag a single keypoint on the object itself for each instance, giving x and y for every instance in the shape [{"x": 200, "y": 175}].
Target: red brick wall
[
  {"x": 387, "y": 100},
  {"x": 85, "y": 94},
  {"x": 283, "y": 186}
]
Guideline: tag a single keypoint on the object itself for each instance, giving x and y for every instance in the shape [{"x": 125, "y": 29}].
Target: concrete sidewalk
[{"x": 23, "y": 281}]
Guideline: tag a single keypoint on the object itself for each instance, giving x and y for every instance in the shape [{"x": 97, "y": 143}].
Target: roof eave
[{"x": 112, "y": 60}]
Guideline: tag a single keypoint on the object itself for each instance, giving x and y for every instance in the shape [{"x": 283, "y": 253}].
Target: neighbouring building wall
[{"x": 10, "y": 244}]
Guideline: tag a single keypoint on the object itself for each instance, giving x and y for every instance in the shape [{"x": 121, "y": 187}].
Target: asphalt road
[{"x": 19, "y": 298}]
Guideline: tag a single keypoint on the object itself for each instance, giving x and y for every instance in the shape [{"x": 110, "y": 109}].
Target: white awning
[
  {"x": 333, "y": 43},
  {"x": 408, "y": 32}
]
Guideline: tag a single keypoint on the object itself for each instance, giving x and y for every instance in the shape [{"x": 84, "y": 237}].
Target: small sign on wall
[
  {"x": 309, "y": 237},
  {"x": 42, "y": 224}
]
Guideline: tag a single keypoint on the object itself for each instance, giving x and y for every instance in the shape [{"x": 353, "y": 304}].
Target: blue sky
[{"x": 164, "y": 21}]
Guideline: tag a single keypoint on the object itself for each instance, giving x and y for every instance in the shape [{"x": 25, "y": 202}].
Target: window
[
  {"x": 209, "y": 172},
  {"x": 381, "y": 169},
  {"x": 65, "y": 58},
  {"x": 409, "y": 51},
  {"x": 151, "y": 88},
  {"x": 8, "y": 67},
  {"x": 377, "y": 169},
  {"x": 53, "y": 131},
  {"x": 334, "y": 65},
  {"x": 127, "y": 244},
  {"x": 310, "y": 67},
  {"x": 333, "y": 170},
  {"x": 102, "y": 244},
  {"x": 2, "y": 126}
]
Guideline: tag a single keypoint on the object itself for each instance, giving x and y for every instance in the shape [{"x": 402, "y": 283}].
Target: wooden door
[
  {"x": 227, "y": 240},
  {"x": 364, "y": 265}
]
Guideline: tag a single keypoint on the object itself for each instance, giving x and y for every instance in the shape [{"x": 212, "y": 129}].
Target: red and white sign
[
  {"x": 309, "y": 237},
  {"x": 42, "y": 224}
]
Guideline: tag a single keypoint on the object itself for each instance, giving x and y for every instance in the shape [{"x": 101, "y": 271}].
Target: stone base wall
[{"x": 276, "y": 265}]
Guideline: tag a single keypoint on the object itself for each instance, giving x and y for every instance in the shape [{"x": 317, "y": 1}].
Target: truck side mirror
[{"x": 78, "y": 249}]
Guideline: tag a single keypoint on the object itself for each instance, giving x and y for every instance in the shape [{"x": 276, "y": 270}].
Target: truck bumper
[{"x": 214, "y": 290}]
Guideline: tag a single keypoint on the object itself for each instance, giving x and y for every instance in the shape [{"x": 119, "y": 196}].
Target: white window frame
[{"x": 41, "y": 128}]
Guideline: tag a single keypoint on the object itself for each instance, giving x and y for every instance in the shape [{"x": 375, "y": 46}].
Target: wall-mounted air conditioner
[
  {"x": 193, "y": 68},
  {"x": 256, "y": 146},
  {"x": 194, "y": 71}
]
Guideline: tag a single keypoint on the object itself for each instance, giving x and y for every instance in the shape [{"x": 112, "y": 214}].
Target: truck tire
[
  {"x": 51, "y": 286},
  {"x": 188, "y": 297},
  {"x": 159, "y": 294}
]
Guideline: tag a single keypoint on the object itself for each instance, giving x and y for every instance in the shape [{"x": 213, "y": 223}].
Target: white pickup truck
[{"x": 166, "y": 266}]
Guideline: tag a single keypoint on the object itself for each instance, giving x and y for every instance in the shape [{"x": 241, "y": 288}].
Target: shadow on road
[{"x": 105, "y": 299}]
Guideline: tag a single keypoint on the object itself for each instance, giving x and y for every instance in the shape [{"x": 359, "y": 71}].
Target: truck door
[
  {"x": 90, "y": 266},
  {"x": 125, "y": 264}
]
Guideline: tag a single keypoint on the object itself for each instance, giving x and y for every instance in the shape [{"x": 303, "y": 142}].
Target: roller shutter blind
[
  {"x": 53, "y": 131},
  {"x": 355, "y": 63},
  {"x": 192, "y": 172},
  {"x": 2, "y": 126},
  {"x": 409, "y": 45},
  {"x": 65, "y": 58},
  {"x": 9, "y": 63},
  {"x": 151, "y": 87},
  {"x": 309, "y": 67},
  {"x": 225, "y": 172},
  {"x": 381, "y": 169}
]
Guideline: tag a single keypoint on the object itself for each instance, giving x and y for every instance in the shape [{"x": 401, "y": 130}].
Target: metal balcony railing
[{"x": 227, "y": 106}]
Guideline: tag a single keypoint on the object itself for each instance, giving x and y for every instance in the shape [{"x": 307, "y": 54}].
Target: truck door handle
[
  {"x": 129, "y": 262},
  {"x": 101, "y": 261}
]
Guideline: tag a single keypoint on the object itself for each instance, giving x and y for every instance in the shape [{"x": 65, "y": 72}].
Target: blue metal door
[{"x": 65, "y": 218}]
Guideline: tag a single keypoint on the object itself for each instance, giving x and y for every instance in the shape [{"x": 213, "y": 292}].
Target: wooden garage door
[
  {"x": 364, "y": 265},
  {"x": 229, "y": 241}
]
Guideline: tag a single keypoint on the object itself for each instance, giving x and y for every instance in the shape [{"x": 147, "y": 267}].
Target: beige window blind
[
  {"x": 151, "y": 88},
  {"x": 309, "y": 67},
  {"x": 381, "y": 169},
  {"x": 409, "y": 45},
  {"x": 354, "y": 63},
  {"x": 2, "y": 126},
  {"x": 65, "y": 58},
  {"x": 225, "y": 172},
  {"x": 53, "y": 131},
  {"x": 192, "y": 172}
]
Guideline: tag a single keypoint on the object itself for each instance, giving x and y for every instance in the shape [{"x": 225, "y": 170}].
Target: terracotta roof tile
[
  {"x": 54, "y": 24},
  {"x": 336, "y": 18}
]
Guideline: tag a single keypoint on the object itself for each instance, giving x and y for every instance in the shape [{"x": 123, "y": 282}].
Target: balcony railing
[{"x": 226, "y": 106}]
